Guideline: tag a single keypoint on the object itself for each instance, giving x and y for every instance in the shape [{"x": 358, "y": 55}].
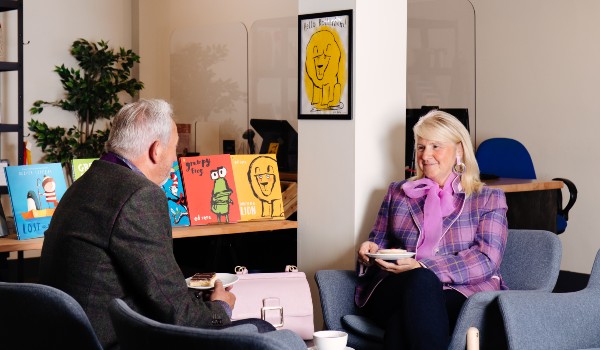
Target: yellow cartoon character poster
[
  {"x": 324, "y": 71},
  {"x": 258, "y": 185}
]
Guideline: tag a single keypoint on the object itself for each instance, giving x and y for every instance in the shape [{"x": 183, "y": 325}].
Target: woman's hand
[
  {"x": 398, "y": 266},
  {"x": 366, "y": 247}
]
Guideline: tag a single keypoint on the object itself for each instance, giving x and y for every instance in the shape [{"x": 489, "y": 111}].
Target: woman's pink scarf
[{"x": 439, "y": 203}]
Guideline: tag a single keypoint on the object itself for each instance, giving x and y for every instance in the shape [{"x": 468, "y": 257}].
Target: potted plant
[{"x": 92, "y": 93}]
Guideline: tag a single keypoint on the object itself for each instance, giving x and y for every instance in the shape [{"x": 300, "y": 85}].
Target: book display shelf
[{"x": 11, "y": 244}]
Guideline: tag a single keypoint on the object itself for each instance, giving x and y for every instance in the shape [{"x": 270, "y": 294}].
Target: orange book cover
[
  {"x": 210, "y": 189},
  {"x": 258, "y": 185}
]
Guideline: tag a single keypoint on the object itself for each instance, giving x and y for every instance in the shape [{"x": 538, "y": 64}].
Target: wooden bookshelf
[
  {"x": 11, "y": 244},
  {"x": 227, "y": 229}
]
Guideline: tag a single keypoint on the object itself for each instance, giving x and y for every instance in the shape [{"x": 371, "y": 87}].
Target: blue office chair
[{"x": 504, "y": 157}]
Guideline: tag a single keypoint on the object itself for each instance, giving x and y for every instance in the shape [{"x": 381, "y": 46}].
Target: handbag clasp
[
  {"x": 263, "y": 314},
  {"x": 272, "y": 304}
]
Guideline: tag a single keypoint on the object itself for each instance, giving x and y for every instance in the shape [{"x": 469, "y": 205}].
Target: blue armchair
[
  {"x": 135, "y": 331},
  {"x": 531, "y": 262},
  {"x": 36, "y": 316},
  {"x": 554, "y": 321}
]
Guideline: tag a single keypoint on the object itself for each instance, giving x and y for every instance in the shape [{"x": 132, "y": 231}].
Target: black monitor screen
[
  {"x": 412, "y": 117},
  {"x": 281, "y": 138}
]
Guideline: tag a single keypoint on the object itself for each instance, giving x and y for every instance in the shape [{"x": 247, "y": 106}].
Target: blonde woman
[{"x": 456, "y": 228}]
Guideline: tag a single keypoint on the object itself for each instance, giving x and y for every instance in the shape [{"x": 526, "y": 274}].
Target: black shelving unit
[{"x": 15, "y": 5}]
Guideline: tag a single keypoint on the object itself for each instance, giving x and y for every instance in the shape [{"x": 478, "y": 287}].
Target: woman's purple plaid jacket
[{"x": 469, "y": 254}]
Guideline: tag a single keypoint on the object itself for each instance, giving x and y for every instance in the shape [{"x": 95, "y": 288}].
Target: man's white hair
[{"x": 137, "y": 125}]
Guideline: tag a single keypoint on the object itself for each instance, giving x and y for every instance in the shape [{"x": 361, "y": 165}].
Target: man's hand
[{"x": 224, "y": 294}]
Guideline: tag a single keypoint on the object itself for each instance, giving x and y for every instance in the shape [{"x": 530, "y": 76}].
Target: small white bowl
[{"x": 330, "y": 340}]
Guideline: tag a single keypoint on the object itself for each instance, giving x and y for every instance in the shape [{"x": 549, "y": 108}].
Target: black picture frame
[{"x": 325, "y": 80}]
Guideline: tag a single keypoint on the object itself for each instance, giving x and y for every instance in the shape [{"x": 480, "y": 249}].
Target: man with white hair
[{"x": 110, "y": 236}]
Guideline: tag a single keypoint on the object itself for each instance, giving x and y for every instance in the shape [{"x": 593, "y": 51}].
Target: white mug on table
[{"x": 330, "y": 340}]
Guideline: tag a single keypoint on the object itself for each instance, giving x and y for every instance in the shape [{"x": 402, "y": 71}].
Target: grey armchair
[
  {"x": 135, "y": 331},
  {"x": 531, "y": 262},
  {"x": 35, "y": 316},
  {"x": 554, "y": 321}
]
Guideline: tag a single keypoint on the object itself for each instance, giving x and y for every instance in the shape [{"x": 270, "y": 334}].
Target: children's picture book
[
  {"x": 80, "y": 166},
  {"x": 210, "y": 187},
  {"x": 35, "y": 190},
  {"x": 178, "y": 209},
  {"x": 258, "y": 186}
]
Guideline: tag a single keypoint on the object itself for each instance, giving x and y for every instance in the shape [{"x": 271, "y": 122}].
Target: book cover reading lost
[
  {"x": 211, "y": 192},
  {"x": 258, "y": 185},
  {"x": 178, "y": 208},
  {"x": 35, "y": 191}
]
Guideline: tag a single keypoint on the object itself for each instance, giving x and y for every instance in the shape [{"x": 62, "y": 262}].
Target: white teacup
[{"x": 330, "y": 340}]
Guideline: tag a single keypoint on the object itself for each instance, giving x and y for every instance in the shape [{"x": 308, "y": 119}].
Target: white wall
[
  {"x": 159, "y": 18},
  {"x": 538, "y": 67},
  {"x": 345, "y": 166},
  {"x": 50, "y": 27}
]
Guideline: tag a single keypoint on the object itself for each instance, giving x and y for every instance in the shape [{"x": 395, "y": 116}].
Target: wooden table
[
  {"x": 532, "y": 204},
  {"x": 523, "y": 185}
]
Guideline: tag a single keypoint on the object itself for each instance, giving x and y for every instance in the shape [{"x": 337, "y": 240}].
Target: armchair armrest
[
  {"x": 483, "y": 311},
  {"x": 336, "y": 292},
  {"x": 288, "y": 337},
  {"x": 537, "y": 320},
  {"x": 480, "y": 311}
]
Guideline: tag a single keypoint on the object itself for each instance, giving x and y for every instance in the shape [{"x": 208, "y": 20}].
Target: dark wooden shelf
[
  {"x": 9, "y": 66},
  {"x": 17, "y": 6},
  {"x": 9, "y": 5},
  {"x": 9, "y": 127}
]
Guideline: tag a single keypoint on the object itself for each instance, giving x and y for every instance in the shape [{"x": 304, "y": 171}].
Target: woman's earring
[{"x": 460, "y": 167}]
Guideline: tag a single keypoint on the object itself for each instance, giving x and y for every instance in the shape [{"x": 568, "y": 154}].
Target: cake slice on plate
[{"x": 203, "y": 279}]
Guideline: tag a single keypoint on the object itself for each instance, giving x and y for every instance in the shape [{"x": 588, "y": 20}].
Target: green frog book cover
[{"x": 210, "y": 188}]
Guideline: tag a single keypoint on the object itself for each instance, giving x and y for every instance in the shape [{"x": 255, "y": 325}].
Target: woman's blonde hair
[{"x": 441, "y": 126}]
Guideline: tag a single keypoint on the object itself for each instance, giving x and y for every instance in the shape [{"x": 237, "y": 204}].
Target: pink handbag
[{"x": 281, "y": 298}]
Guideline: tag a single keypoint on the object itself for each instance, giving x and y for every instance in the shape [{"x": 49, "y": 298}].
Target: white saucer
[
  {"x": 391, "y": 256},
  {"x": 227, "y": 279}
]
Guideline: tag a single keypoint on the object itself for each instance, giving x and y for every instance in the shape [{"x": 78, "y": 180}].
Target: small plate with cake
[
  {"x": 206, "y": 280},
  {"x": 391, "y": 254}
]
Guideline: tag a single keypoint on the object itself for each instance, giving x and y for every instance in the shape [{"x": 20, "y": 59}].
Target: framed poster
[{"x": 325, "y": 65}]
